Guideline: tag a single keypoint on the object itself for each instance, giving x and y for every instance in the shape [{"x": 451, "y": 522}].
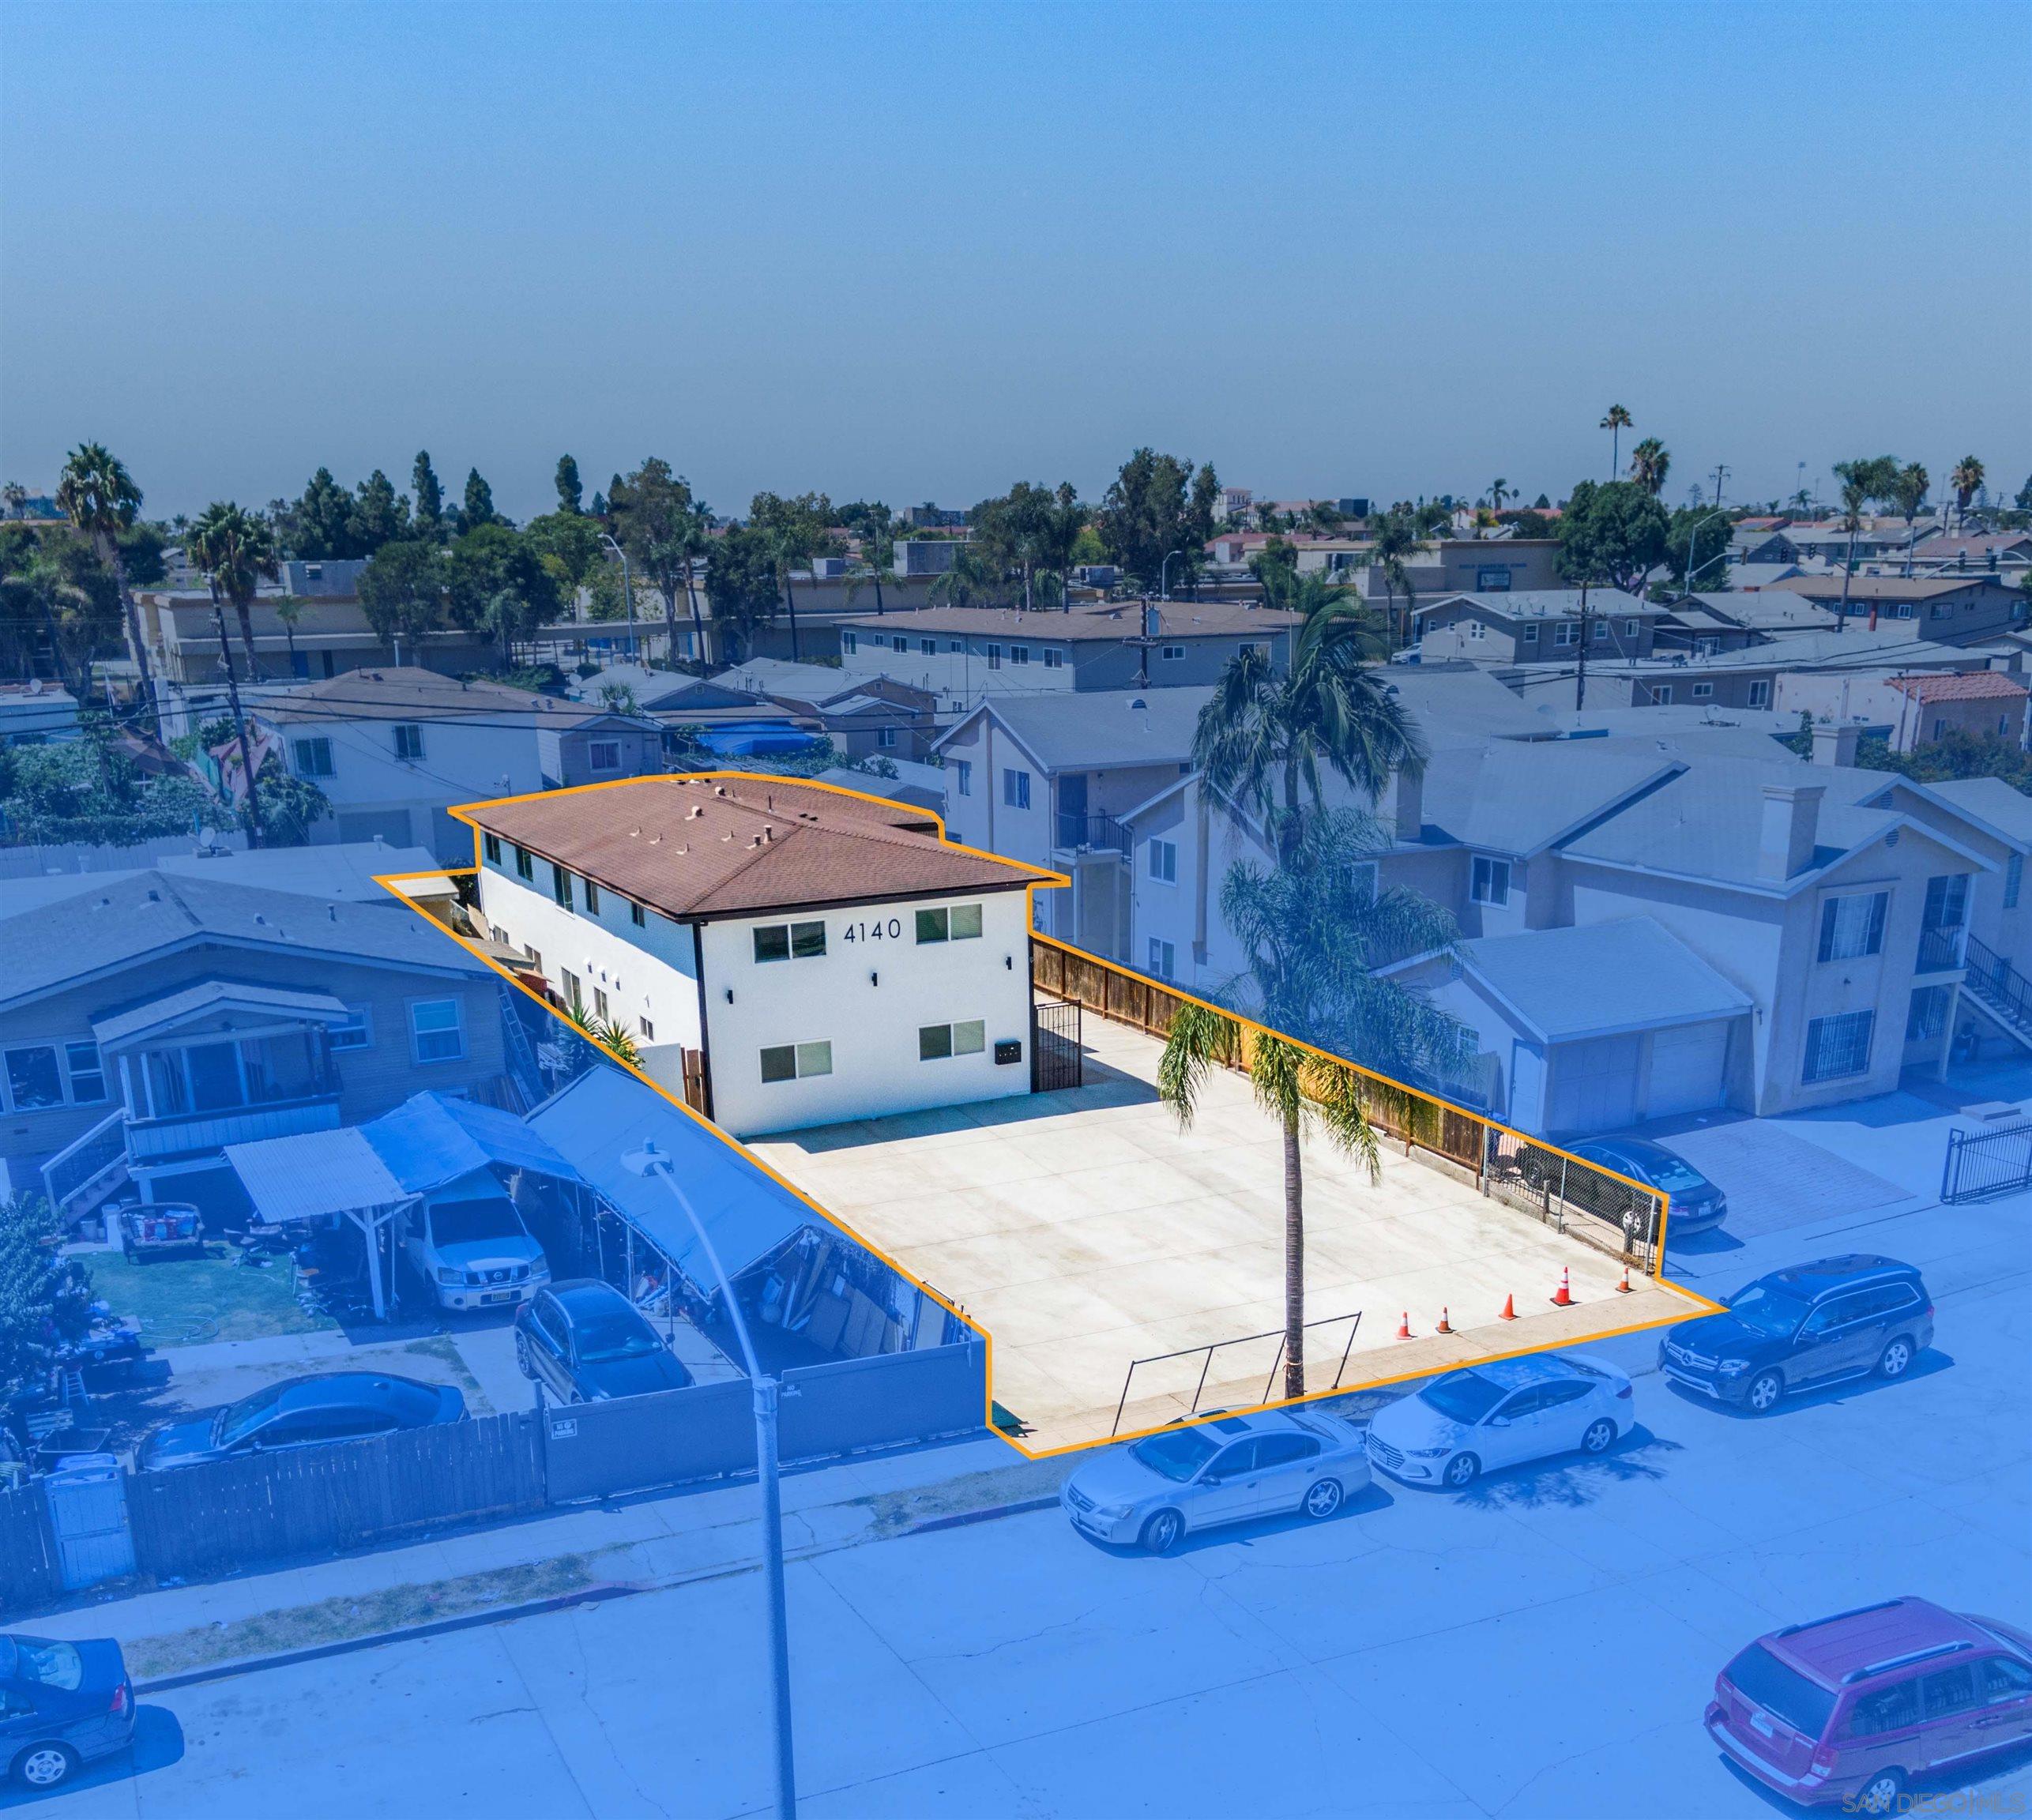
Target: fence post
[{"x": 1947, "y": 1164}]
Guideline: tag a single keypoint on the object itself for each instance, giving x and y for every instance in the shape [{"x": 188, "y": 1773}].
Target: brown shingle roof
[
  {"x": 1970, "y": 685},
  {"x": 729, "y": 843},
  {"x": 410, "y": 693}
]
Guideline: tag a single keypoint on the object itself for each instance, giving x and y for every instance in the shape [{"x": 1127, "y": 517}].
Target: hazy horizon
[{"x": 923, "y": 252}]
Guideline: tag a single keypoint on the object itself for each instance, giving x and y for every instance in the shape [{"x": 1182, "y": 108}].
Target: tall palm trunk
[
  {"x": 109, "y": 554},
  {"x": 670, "y": 623},
  {"x": 1294, "y": 1260},
  {"x": 245, "y": 612},
  {"x": 698, "y": 622},
  {"x": 1848, "y": 569}
]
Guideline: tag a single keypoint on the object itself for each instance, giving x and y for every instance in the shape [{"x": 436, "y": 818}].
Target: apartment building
[
  {"x": 1942, "y": 609},
  {"x": 1535, "y": 625},
  {"x": 1474, "y": 566}
]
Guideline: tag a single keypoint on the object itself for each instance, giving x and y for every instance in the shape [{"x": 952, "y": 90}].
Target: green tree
[
  {"x": 1615, "y": 422},
  {"x": 873, "y": 523},
  {"x": 321, "y": 525},
  {"x": 569, "y": 492},
  {"x": 496, "y": 583},
  {"x": 1275, "y": 567},
  {"x": 56, "y": 594},
  {"x": 429, "y": 494},
  {"x": 740, "y": 583},
  {"x": 1393, "y": 542},
  {"x": 1610, "y": 536},
  {"x": 99, "y": 496},
  {"x": 1864, "y": 482},
  {"x": 1907, "y": 493},
  {"x": 236, "y": 551},
  {"x": 45, "y": 1297},
  {"x": 1266, "y": 737},
  {"x": 665, "y": 528},
  {"x": 380, "y": 515},
  {"x": 796, "y": 529},
  {"x": 1966, "y": 480},
  {"x": 569, "y": 544},
  {"x": 1650, "y": 462},
  {"x": 1709, "y": 535},
  {"x": 478, "y": 511},
  {"x": 402, "y": 591},
  {"x": 1156, "y": 506}
]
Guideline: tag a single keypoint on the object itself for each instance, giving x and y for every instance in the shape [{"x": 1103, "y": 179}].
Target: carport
[{"x": 320, "y": 1175}]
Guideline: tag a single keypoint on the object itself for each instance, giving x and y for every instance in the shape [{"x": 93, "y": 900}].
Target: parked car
[
  {"x": 1163, "y": 1488},
  {"x": 1851, "y": 1708},
  {"x": 1696, "y": 1205},
  {"x": 302, "y": 1412},
  {"x": 1812, "y": 1324},
  {"x": 61, "y": 1705},
  {"x": 476, "y": 1254},
  {"x": 1501, "y": 1414},
  {"x": 583, "y": 1341}
]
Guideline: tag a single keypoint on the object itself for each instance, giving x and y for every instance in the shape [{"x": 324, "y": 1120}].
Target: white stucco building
[{"x": 784, "y": 954}]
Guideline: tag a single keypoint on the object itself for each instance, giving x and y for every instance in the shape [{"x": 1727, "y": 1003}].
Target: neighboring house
[
  {"x": 1473, "y": 566},
  {"x": 865, "y": 717},
  {"x": 1944, "y": 609},
  {"x": 330, "y": 635},
  {"x": 1996, "y": 996},
  {"x": 783, "y": 955},
  {"x": 1706, "y": 623},
  {"x": 1912, "y": 711},
  {"x": 1754, "y": 578},
  {"x": 1535, "y": 625},
  {"x": 1318, "y": 552},
  {"x": 391, "y": 748},
  {"x": 153, "y": 1019},
  {"x": 33, "y": 713},
  {"x": 2008, "y": 553},
  {"x": 960, "y": 654}
]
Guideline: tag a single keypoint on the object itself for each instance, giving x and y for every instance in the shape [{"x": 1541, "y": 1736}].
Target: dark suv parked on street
[{"x": 1812, "y": 1324}]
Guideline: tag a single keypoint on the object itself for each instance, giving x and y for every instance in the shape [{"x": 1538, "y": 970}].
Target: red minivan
[{"x": 1852, "y": 1707}]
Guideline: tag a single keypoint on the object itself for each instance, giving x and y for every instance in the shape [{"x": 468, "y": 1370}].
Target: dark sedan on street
[
  {"x": 583, "y": 1341},
  {"x": 61, "y": 1705},
  {"x": 302, "y": 1412}
]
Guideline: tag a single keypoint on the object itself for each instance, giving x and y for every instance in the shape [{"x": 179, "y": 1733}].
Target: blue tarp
[
  {"x": 432, "y": 1140},
  {"x": 604, "y": 1114}
]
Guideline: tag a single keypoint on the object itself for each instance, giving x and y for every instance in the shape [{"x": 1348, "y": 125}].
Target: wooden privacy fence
[
  {"x": 1536, "y": 1177},
  {"x": 30, "y": 1573}
]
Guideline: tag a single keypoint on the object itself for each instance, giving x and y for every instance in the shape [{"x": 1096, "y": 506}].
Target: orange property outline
[{"x": 1043, "y": 877}]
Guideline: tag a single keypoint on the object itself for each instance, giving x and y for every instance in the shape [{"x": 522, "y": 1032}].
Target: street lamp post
[
  {"x": 650, "y": 1160},
  {"x": 628, "y": 591},
  {"x": 1693, "y": 531},
  {"x": 1164, "y": 569}
]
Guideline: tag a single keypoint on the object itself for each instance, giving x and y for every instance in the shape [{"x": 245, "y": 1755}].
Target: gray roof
[
  {"x": 1506, "y": 796},
  {"x": 1760, "y": 609},
  {"x": 152, "y": 1013},
  {"x": 1555, "y": 603},
  {"x": 1461, "y": 703},
  {"x": 47, "y": 946},
  {"x": 314, "y": 1175},
  {"x": 1600, "y": 978},
  {"x": 1090, "y": 732},
  {"x": 1673, "y": 726},
  {"x": 1830, "y": 650},
  {"x": 1991, "y": 802},
  {"x": 810, "y": 682}
]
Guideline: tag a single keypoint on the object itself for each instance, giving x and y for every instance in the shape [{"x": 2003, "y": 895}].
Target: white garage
[
  {"x": 1689, "y": 1070},
  {"x": 1594, "y": 1083}
]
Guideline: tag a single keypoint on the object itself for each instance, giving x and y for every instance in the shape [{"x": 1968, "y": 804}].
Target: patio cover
[
  {"x": 604, "y": 1114},
  {"x": 432, "y": 1140},
  {"x": 317, "y": 1174}
]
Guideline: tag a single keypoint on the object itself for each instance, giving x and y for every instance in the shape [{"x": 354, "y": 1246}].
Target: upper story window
[
  {"x": 963, "y": 776},
  {"x": 638, "y": 915},
  {"x": 850, "y": 642},
  {"x": 1489, "y": 880},
  {"x": 491, "y": 845},
  {"x": 1947, "y": 901},
  {"x": 1761, "y": 693},
  {"x": 1163, "y": 959},
  {"x": 1019, "y": 654},
  {"x": 1530, "y": 635},
  {"x": 1054, "y": 658},
  {"x": 1630, "y": 628},
  {"x": 928, "y": 647},
  {"x": 561, "y": 885},
  {"x": 885, "y": 736},
  {"x": 603, "y": 754},
  {"x": 1852, "y": 927},
  {"x": 950, "y": 922},
  {"x": 356, "y": 1032},
  {"x": 525, "y": 863},
  {"x": 1170, "y": 653},
  {"x": 591, "y": 897},
  {"x": 790, "y": 941},
  {"x": 1601, "y": 630},
  {"x": 1016, "y": 789},
  {"x": 437, "y": 1030},
  {"x": 312, "y": 758},
  {"x": 1566, "y": 633},
  {"x": 1476, "y": 629},
  {"x": 1703, "y": 691},
  {"x": 956, "y": 646},
  {"x": 1163, "y": 862},
  {"x": 1247, "y": 650},
  {"x": 994, "y": 657},
  {"x": 409, "y": 741}
]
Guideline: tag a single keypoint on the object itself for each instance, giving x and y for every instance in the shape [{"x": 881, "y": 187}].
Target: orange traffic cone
[
  {"x": 1445, "y": 1326},
  {"x": 1509, "y": 1308},
  {"x": 1623, "y": 1288},
  {"x": 1404, "y": 1326},
  {"x": 1564, "y": 1299}
]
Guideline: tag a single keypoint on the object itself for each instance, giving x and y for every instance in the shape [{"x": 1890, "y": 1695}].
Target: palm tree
[
  {"x": 1908, "y": 494},
  {"x": 1394, "y": 541},
  {"x": 1616, "y": 422},
  {"x": 1855, "y": 496},
  {"x": 98, "y": 495},
  {"x": 1967, "y": 481},
  {"x": 289, "y": 610},
  {"x": 1650, "y": 462},
  {"x": 236, "y": 549},
  {"x": 1499, "y": 490},
  {"x": 1264, "y": 735}
]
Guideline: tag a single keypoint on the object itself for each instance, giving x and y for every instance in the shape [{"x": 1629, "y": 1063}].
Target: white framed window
[
  {"x": 87, "y": 1073},
  {"x": 1838, "y": 1047},
  {"x": 963, "y": 776},
  {"x": 600, "y": 1005},
  {"x": 928, "y": 647},
  {"x": 1703, "y": 691},
  {"x": 1016, "y": 789},
  {"x": 1761, "y": 693},
  {"x": 885, "y": 736},
  {"x": 312, "y": 758},
  {"x": 1601, "y": 630},
  {"x": 637, "y": 915},
  {"x": 790, "y": 941},
  {"x": 1477, "y": 630},
  {"x": 1054, "y": 658},
  {"x": 1171, "y": 653},
  {"x": 1251, "y": 650},
  {"x": 1530, "y": 635},
  {"x": 994, "y": 657},
  {"x": 1164, "y": 959},
  {"x": 796, "y": 1061},
  {"x": 356, "y": 1032},
  {"x": 490, "y": 846},
  {"x": 1019, "y": 654},
  {"x": 1662, "y": 694},
  {"x": 648, "y": 1029},
  {"x": 1852, "y": 927},
  {"x": 34, "y": 1081},
  {"x": 850, "y": 642},
  {"x": 950, "y": 922},
  {"x": 437, "y": 1030},
  {"x": 1489, "y": 880},
  {"x": 525, "y": 863},
  {"x": 1163, "y": 862},
  {"x": 1629, "y": 628},
  {"x": 603, "y": 754},
  {"x": 409, "y": 741},
  {"x": 1566, "y": 633},
  {"x": 942, "y": 1042},
  {"x": 956, "y": 646}
]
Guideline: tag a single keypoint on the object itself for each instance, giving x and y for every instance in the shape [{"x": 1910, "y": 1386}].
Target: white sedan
[
  {"x": 1470, "y": 1421},
  {"x": 1229, "y": 1470}
]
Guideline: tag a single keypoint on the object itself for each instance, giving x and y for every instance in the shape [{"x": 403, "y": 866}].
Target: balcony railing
[
  {"x": 1101, "y": 832},
  {"x": 189, "y": 1134},
  {"x": 1940, "y": 949}
]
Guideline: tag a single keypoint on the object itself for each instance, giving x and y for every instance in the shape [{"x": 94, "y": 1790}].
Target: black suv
[
  {"x": 1837, "y": 1318},
  {"x": 583, "y": 1342}
]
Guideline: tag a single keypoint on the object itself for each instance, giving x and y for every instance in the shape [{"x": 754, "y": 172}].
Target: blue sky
[{"x": 913, "y": 252}]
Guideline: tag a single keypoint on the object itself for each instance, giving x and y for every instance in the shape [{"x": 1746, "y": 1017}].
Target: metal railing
[
  {"x": 1940, "y": 950},
  {"x": 1101, "y": 832},
  {"x": 81, "y": 1163},
  {"x": 1998, "y": 984},
  {"x": 1270, "y": 1383},
  {"x": 1984, "y": 1163}
]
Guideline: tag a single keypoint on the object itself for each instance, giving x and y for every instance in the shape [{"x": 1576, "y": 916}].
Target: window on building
[
  {"x": 941, "y": 1042},
  {"x": 437, "y": 1030},
  {"x": 1566, "y": 633},
  {"x": 1939, "y": 725},
  {"x": 33, "y": 1079},
  {"x": 603, "y": 754},
  {"x": 1629, "y": 628},
  {"x": 1171, "y": 653},
  {"x": 561, "y": 885},
  {"x": 1601, "y": 630},
  {"x": 963, "y": 776},
  {"x": 356, "y": 1032},
  {"x": 87, "y": 1071},
  {"x": 491, "y": 845},
  {"x": 1016, "y": 789},
  {"x": 1252, "y": 651},
  {"x": 1662, "y": 694},
  {"x": 574, "y": 994},
  {"x": 599, "y": 1004},
  {"x": 1163, "y": 862},
  {"x": 1761, "y": 693},
  {"x": 525, "y": 864},
  {"x": 1838, "y": 1047},
  {"x": 1530, "y": 635},
  {"x": 409, "y": 740},
  {"x": 1019, "y": 654},
  {"x": 1947, "y": 901},
  {"x": 1054, "y": 658},
  {"x": 796, "y": 1061},
  {"x": 638, "y": 915},
  {"x": 849, "y": 642},
  {"x": 1163, "y": 959},
  {"x": 592, "y": 898},
  {"x": 2013, "y": 878},
  {"x": 1489, "y": 880},
  {"x": 885, "y": 737},
  {"x": 994, "y": 657},
  {"x": 952, "y": 923},
  {"x": 928, "y": 647},
  {"x": 1852, "y": 927},
  {"x": 648, "y": 1029},
  {"x": 1926, "y": 1013},
  {"x": 790, "y": 941},
  {"x": 313, "y": 758},
  {"x": 1703, "y": 691}
]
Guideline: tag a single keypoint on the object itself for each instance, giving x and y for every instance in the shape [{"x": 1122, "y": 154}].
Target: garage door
[
  {"x": 1594, "y": 1084},
  {"x": 1689, "y": 1068}
]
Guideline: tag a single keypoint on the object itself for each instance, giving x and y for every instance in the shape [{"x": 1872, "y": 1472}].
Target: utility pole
[
  {"x": 1721, "y": 475},
  {"x": 1580, "y": 669},
  {"x": 239, "y": 720}
]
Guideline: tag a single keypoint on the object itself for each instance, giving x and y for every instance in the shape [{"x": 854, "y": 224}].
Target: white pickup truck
[{"x": 476, "y": 1254}]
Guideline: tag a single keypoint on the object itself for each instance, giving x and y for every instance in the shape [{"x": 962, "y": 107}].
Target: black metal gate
[
  {"x": 1055, "y": 1050},
  {"x": 1980, "y": 1162}
]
